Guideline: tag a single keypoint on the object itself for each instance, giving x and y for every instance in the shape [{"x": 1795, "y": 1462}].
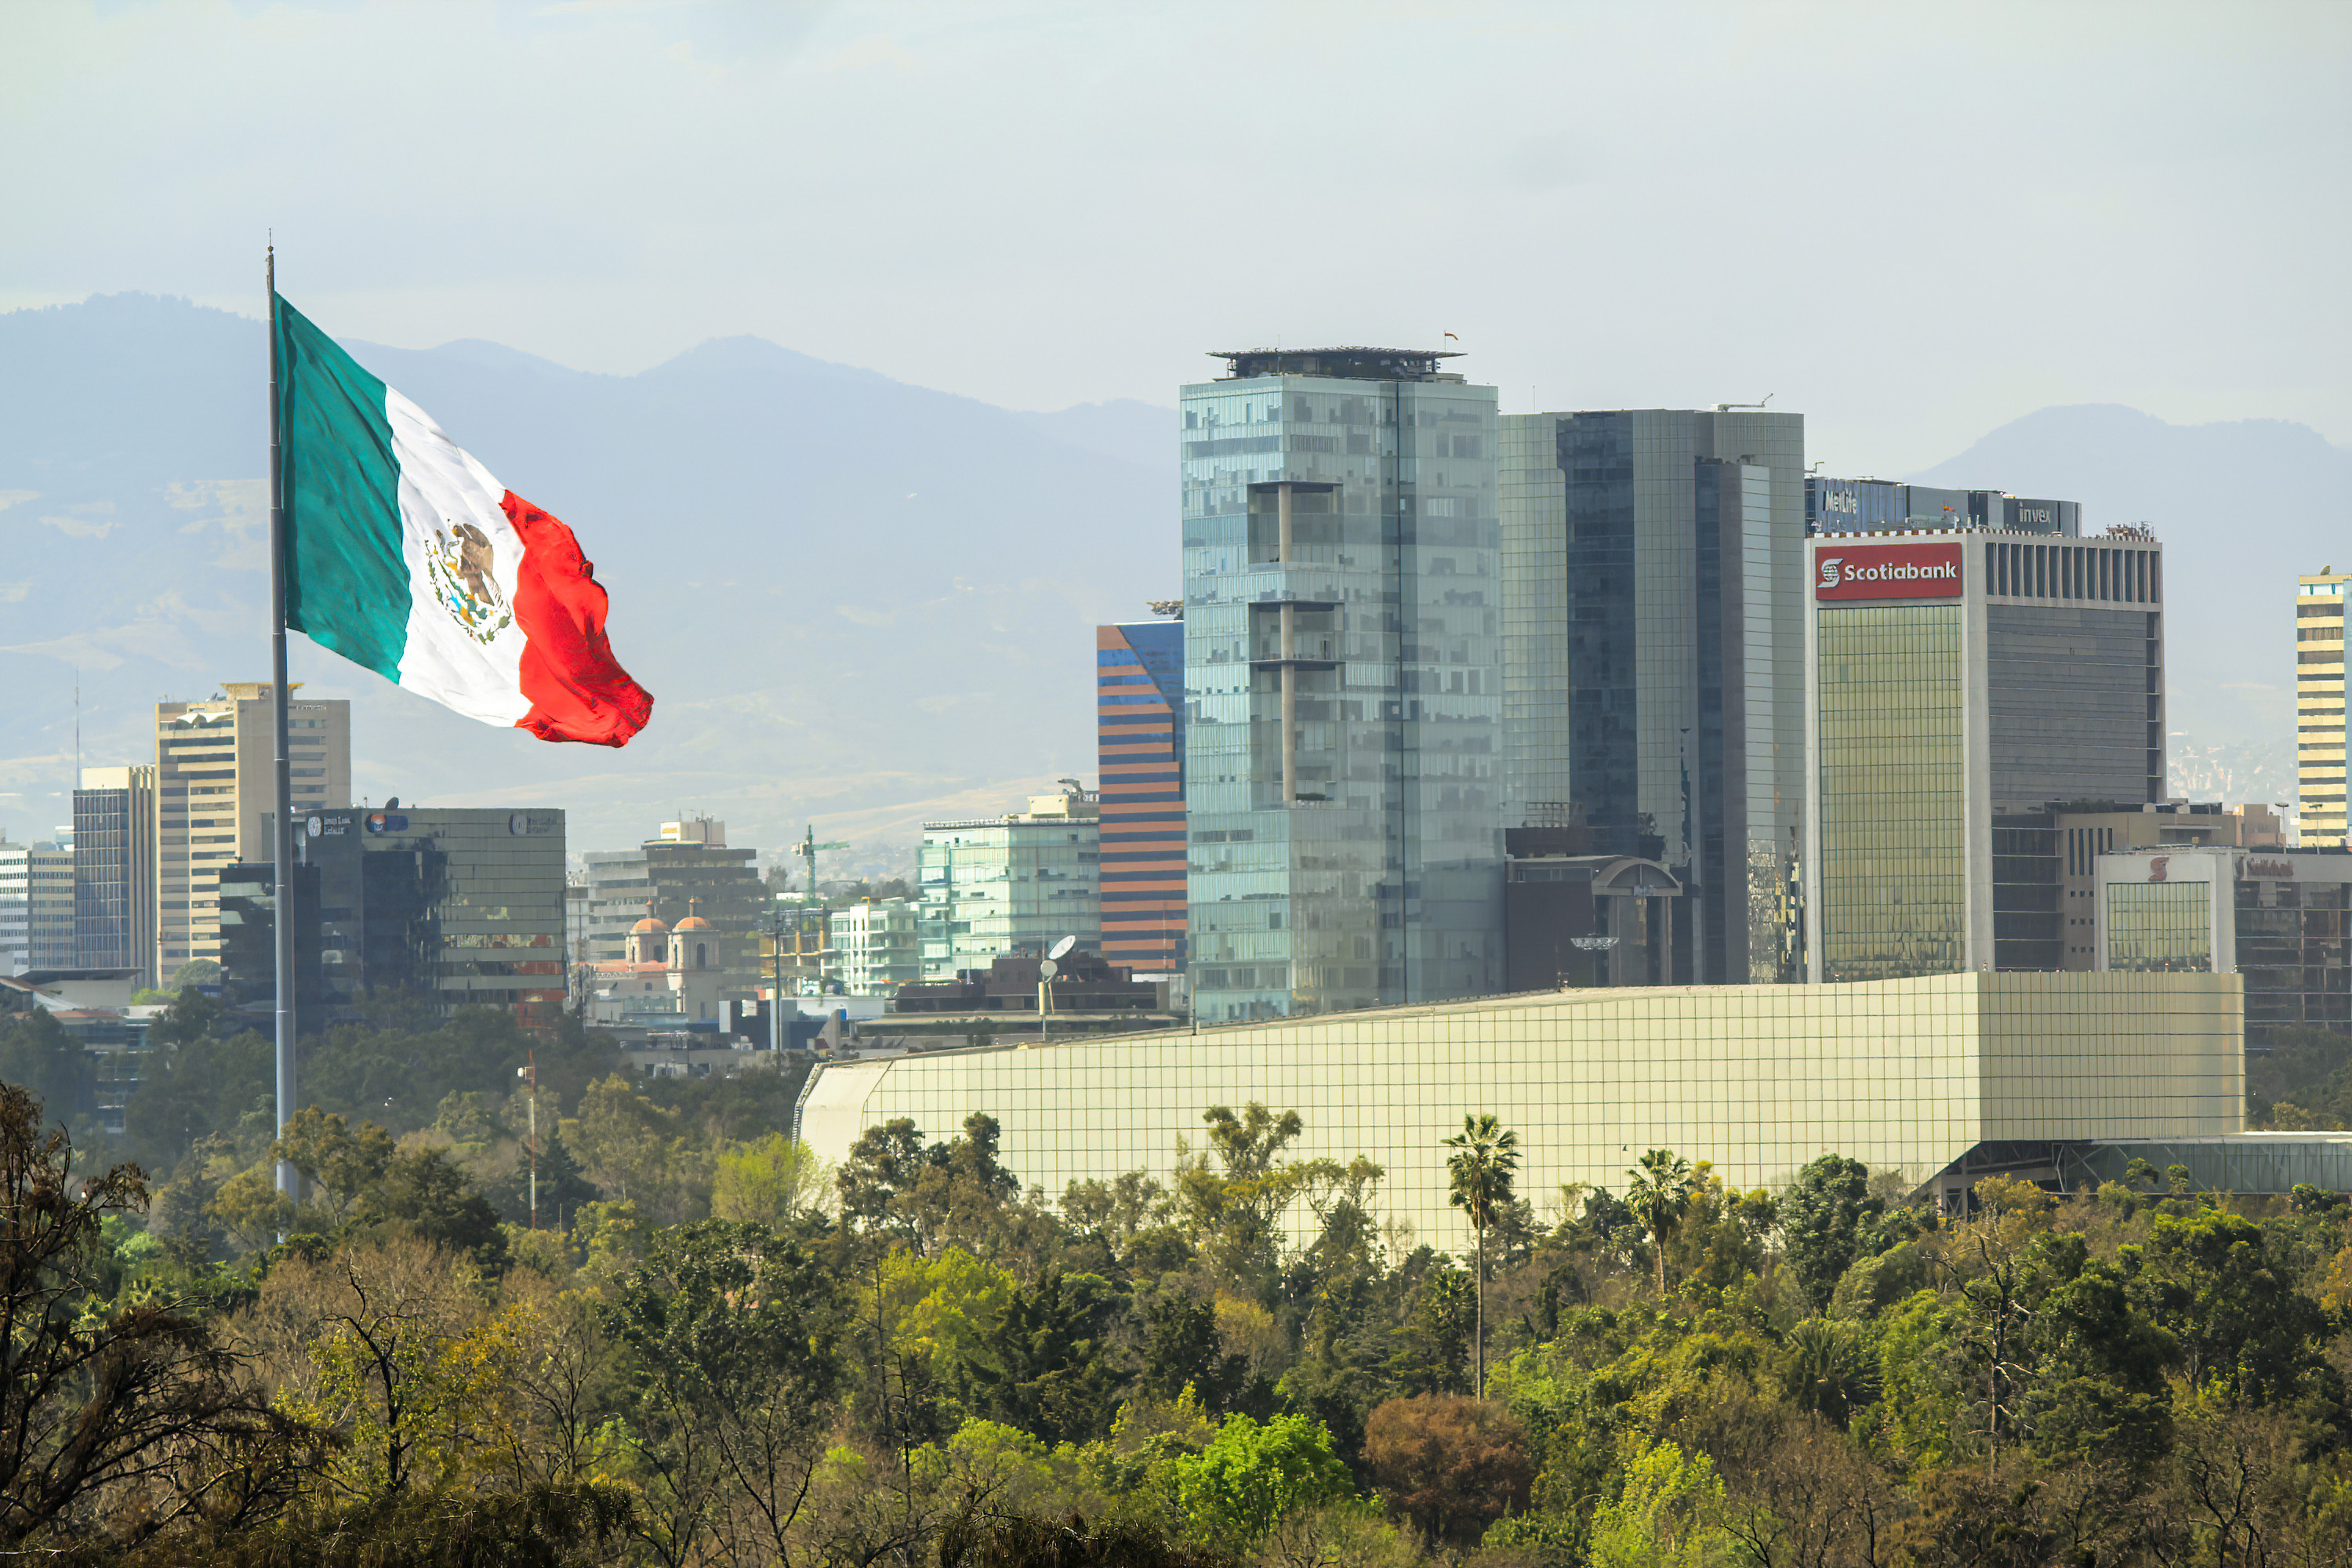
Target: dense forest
[{"x": 710, "y": 1349}]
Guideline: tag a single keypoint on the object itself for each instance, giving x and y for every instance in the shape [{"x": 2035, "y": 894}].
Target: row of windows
[{"x": 2074, "y": 571}]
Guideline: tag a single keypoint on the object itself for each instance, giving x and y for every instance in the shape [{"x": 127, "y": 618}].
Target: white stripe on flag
[{"x": 465, "y": 647}]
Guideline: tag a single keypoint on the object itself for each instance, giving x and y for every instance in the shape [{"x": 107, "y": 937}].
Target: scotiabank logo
[
  {"x": 2156, "y": 865},
  {"x": 1889, "y": 571}
]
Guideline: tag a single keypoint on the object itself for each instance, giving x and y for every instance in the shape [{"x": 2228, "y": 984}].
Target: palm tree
[
  {"x": 1659, "y": 1195},
  {"x": 1485, "y": 1155}
]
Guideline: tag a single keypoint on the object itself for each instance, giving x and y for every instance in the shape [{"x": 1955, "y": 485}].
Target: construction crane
[
  {"x": 803, "y": 957},
  {"x": 807, "y": 851}
]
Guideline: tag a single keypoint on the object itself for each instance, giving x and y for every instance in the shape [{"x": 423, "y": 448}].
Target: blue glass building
[{"x": 1341, "y": 683}]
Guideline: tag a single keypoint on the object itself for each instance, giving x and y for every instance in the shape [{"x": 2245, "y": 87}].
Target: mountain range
[{"x": 858, "y": 603}]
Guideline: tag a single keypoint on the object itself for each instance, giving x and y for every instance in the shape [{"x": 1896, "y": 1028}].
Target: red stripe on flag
[{"x": 577, "y": 690}]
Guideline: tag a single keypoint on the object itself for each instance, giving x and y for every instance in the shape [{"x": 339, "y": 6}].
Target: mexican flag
[{"x": 404, "y": 555}]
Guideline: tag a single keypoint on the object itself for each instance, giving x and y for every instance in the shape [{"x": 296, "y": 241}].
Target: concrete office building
[
  {"x": 2077, "y": 839},
  {"x": 114, "y": 870},
  {"x": 1943, "y": 1080},
  {"x": 2319, "y": 731},
  {"x": 1139, "y": 757},
  {"x": 1342, "y": 665},
  {"x": 2280, "y": 921},
  {"x": 465, "y": 906},
  {"x": 1654, "y": 638},
  {"x": 1871, "y": 506},
  {"x": 1009, "y": 886},
  {"x": 216, "y": 779},
  {"x": 689, "y": 863},
  {"x": 1964, "y": 685}
]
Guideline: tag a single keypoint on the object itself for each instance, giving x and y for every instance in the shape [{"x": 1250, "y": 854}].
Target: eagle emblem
[{"x": 460, "y": 561}]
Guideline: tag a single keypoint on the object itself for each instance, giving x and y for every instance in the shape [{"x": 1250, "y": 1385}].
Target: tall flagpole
[{"x": 282, "y": 914}]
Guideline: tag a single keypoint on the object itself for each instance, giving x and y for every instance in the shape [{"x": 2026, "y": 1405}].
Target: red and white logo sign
[
  {"x": 1886, "y": 570},
  {"x": 2156, "y": 865}
]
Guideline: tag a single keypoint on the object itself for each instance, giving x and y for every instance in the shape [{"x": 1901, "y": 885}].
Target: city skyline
[
  {"x": 1436, "y": 786},
  {"x": 871, "y": 642}
]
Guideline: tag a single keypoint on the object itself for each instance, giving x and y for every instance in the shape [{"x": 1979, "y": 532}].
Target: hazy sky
[{"x": 1910, "y": 222}]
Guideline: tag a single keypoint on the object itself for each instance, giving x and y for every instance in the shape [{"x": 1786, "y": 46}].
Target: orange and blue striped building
[{"x": 1139, "y": 752}]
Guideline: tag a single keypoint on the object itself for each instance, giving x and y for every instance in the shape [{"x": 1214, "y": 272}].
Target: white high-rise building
[
  {"x": 15, "y": 907},
  {"x": 877, "y": 945},
  {"x": 214, "y": 767},
  {"x": 2319, "y": 725}
]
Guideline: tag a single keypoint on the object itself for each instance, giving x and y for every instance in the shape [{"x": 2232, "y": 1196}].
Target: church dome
[
  {"x": 694, "y": 922},
  {"x": 652, "y": 926}
]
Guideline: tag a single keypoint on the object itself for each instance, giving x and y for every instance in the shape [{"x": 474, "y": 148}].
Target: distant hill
[
  {"x": 2242, "y": 507},
  {"x": 847, "y": 594}
]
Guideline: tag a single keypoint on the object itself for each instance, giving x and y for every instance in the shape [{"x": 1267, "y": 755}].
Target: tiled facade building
[{"x": 1940, "y": 1079}]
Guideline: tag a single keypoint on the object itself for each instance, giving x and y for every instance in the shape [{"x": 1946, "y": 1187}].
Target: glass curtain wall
[
  {"x": 1894, "y": 871},
  {"x": 1343, "y": 700},
  {"x": 2296, "y": 953},
  {"x": 106, "y": 922},
  {"x": 2160, "y": 927},
  {"x": 990, "y": 888}
]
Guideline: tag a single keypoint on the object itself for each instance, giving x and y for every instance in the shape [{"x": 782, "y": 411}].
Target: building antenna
[{"x": 77, "y": 778}]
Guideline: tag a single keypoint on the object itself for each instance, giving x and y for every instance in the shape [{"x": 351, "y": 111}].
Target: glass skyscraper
[
  {"x": 114, "y": 870},
  {"x": 1343, "y": 700},
  {"x": 1971, "y": 689},
  {"x": 1653, "y": 655},
  {"x": 461, "y": 906}
]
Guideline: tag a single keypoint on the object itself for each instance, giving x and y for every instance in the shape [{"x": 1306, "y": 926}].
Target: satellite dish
[
  {"x": 1062, "y": 947},
  {"x": 1047, "y": 969}
]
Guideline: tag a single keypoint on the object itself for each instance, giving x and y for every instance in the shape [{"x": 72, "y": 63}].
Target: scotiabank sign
[{"x": 1844, "y": 571}]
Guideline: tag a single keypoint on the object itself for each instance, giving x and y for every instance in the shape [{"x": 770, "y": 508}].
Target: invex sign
[{"x": 1845, "y": 571}]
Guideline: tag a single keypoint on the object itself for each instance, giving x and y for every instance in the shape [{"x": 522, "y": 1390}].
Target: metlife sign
[{"x": 1843, "y": 571}]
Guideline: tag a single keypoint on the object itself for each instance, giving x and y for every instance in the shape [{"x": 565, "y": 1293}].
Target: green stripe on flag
[{"x": 346, "y": 581}]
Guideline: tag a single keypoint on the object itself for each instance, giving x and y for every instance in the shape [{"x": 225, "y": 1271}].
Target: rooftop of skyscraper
[{"x": 1349, "y": 363}]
